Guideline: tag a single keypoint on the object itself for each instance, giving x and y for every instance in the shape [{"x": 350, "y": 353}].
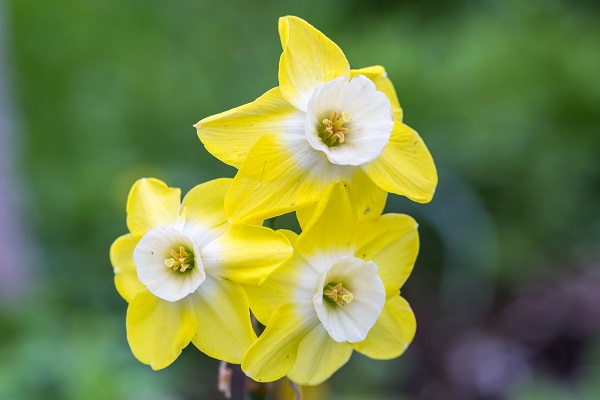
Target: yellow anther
[
  {"x": 181, "y": 261},
  {"x": 339, "y": 294},
  {"x": 348, "y": 297},
  {"x": 333, "y": 130}
]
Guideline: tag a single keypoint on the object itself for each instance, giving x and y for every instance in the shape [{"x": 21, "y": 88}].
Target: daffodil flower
[
  {"x": 338, "y": 293},
  {"x": 181, "y": 268},
  {"x": 324, "y": 123}
]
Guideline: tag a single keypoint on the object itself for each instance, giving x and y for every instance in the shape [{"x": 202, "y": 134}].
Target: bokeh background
[{"x": 506, "y": 94}]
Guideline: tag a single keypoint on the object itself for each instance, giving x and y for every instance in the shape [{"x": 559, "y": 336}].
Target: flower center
[
  {"x": 182, "y": 261},
  {"x": 332, "y": 131},
  {"x": 339, "y": 294}
]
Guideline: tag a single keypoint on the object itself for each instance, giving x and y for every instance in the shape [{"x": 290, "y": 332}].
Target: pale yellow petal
[
  {"x": 392, "y": 333},
  {"x": 369, "y": 199},
  {"x": 293, "y": 282},
  {"x": 332, "y": 230},
  {"x": 151, "y": 203},
  {"x": 121, "y": 258},
  {"x": 305, "y": 214},
  {"x": 319, "y": 356},
  {"x": 405, "y": 167},
  {"x": 275, "y": 351},
  {"x": 246, "y": 254},
  {"x": 291, "y": 236},
  {"x": 309, "y": 58},
  {"x": 277, "y": 177},
  {"x": 380, "y": 78},
  {"x": 230, "y": 135},
  {"x": 203, "y": 204},
  {"x": 157, "y": 330},
  {"x": 391, "y": 242},
  {"x": 224, "y": 327}
]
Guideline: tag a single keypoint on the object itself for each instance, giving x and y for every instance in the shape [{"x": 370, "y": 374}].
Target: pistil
[
  {"x": 181, "y": 261},
  {"x": 339, "y": 294},
  {"x": 333, "y": 130}
]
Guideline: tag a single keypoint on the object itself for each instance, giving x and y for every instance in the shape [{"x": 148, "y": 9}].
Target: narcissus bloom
[
  {"x": 338, "y": 293},
  {"x": 324, "y": 123},
  {"x": 180, "y": 270}
]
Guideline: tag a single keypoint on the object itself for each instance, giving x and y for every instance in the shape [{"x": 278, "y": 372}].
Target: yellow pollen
[
  {"x": 339, "y": 294},
  {"x": 181, "y": 261},
  {"x": 333, "y": 130}
]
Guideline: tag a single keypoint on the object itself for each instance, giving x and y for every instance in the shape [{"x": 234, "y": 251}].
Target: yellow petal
[
  {"x": 309, "y": 58},
  {"x": 331, "y": 232},
  {"x": 392, "y": 333},
  {"x": 291, "y": 236},
  {"x": 293, "y": 282},
  {"x": 405, "y": 167},
  {"x": 157, "y": 330},
  {"x": 224, "y": 327},
  {"x": 246, "y": 254},
  {"x": 121, "y": 258},
  {"x": 277, "y": 177},
  {"x": 379, "y": 77},
  {"x": 275, "y": 351},
  {"x": 151, "y": 204},
  {"x": 305, "y": 214},
  {"x": 230, "y": 135},
  {"x": 319, "y": 356},
  {"x": 203, "y": 204},
  {"x": 391, "y": 242},
  {"x": 369, "y": 199}
]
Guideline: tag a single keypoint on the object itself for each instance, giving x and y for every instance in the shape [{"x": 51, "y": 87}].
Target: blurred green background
[{"x": 506, "y": 94}]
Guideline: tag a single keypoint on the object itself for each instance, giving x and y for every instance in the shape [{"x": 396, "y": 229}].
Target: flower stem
[
  {"x": 224, "y": 379},
  {"x": 297, "y": 390}
]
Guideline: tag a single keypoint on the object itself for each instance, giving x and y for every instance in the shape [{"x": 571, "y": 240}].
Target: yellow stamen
[
  {"x": 181, "y": 261},
  {"x": 333, "y": 130},
  {"x": 339, "y": 294}
]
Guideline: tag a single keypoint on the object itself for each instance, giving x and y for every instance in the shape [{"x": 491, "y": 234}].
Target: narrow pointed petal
[
  {"x": 224, "y": 327},
  {"x": 203, "y": 205},
  {"x": 230, "y": 135},
  {"x": 392, "y": 333},
  {"x": 291, "y": 236},
  {"x": 294, "y": 282},
  {"x": 405, "y": 167},
  {"x": 369, "y": 199},
  {"x": 305, "y": 214},
  {"x": 383, "y": 84},
  {"x": 331, "y": 233},
  {"x": 277, "y": 177},
  {"x": 121, "y": 258},
  {"x": 275, "y": 351},
  {"x": 157, "y": 330},
  {"x": 308, "y": 58},
  {"x": 319, "y": 357},
  {"x": 392, "y": 242},
  {"x": 246, "y": 254},
  {"x": 151, "y": 203}
]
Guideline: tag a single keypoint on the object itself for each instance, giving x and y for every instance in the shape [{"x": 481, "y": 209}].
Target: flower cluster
[{"x": 329, "y": 144}]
